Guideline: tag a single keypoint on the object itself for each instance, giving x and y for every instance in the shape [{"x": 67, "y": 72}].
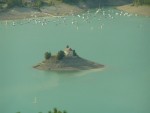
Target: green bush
[
  {"x": 12, "y": 3},
  {"x": 37, "y": 3},
  {"x": 47, "y": 55},
  {"x": 74, "y": 53},
  {"x": 60, "y": 55}
]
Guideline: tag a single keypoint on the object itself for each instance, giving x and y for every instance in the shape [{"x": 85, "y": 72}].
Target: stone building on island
[{"x": 68, "y": 51}]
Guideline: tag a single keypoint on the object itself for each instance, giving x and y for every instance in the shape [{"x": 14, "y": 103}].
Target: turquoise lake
[{"x": 119, "y": 40}]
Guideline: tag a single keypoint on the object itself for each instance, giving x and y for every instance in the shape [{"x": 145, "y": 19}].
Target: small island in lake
[{"x": 67, "y": 60}]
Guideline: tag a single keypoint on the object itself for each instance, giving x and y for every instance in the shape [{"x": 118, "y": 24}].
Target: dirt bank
[
  {"x": 22, "y": 12},
  {"x": 140, "y": 10}
]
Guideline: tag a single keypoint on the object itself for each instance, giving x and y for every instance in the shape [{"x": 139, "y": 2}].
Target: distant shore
[
  {"x": 62, "y": 9},
  {"x": 140, "y": 10},
  {"x": 45, "y": 11}
]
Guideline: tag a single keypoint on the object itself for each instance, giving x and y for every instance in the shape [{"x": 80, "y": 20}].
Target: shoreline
[
  {"x": 61, "y": 10},
  {"x": 58, "y": 10},
  {"x": 143, "y": 10},
  {"x": 74, "y": 63}
]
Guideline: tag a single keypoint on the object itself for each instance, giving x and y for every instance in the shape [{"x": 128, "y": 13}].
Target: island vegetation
[
  {"x": 67, "y": 60},
  {"x": 47, "y": 55}
]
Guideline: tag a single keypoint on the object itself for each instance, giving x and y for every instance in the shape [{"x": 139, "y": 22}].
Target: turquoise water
[{"x": 118, "y": 40}]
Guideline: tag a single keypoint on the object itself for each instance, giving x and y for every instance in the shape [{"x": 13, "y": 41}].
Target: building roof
[{"x": 70, "y": 49}]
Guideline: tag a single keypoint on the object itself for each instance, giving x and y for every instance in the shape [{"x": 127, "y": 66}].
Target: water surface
[{"x": 118, "y": 40}]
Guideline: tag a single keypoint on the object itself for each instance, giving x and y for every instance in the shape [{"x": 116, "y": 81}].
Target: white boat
[{"x": 35, "y": 100}]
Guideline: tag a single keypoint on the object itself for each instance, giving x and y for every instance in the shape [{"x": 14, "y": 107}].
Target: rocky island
[{"x": 66, "y": 60}]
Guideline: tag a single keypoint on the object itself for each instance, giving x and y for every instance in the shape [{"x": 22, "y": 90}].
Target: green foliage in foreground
[
  {"x": 55, "y": 110},
  {"x": 60, "y": 55}
]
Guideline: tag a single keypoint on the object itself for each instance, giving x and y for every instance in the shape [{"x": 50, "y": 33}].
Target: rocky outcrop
[{"x": 74, "y": 63}]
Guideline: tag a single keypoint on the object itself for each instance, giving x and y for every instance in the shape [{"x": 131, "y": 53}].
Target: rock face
[{"x": 74, "y": 63}]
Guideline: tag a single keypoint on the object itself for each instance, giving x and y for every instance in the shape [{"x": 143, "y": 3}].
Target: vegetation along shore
[{"x": 21, "y": 9}]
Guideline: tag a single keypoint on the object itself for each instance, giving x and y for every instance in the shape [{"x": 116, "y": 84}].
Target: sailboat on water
[{"x": 35, "y": 101}]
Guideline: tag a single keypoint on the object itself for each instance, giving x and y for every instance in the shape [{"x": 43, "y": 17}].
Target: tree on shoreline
[
  {"x": 37, "y": 3},
  {"x": 12, "y": 3},
  {"x": 20, "y": 3}
]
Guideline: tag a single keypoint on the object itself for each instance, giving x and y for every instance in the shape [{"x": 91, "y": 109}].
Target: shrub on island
[
  {"x": 47, "y": 55},
  {"x": 74, "y": 53},
  {"x": 60, "y": 55}
]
